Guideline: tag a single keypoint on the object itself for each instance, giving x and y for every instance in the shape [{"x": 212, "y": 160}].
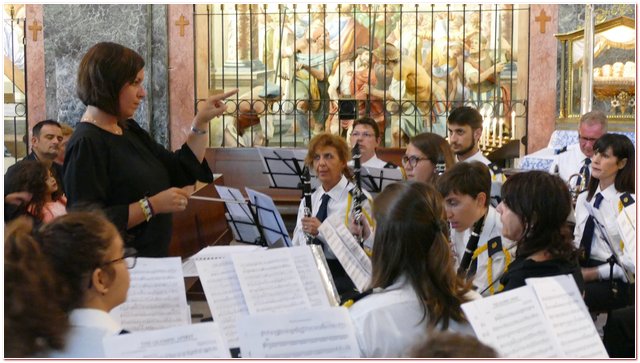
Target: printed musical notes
[
  {"x": 545, "y": 319},
  {"x": 189, "y": 341},
  {"x": 309, "y": 333},
  {"x": 156, "y": 297}
]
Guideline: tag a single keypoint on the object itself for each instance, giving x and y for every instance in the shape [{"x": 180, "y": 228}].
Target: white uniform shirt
[
  {"x": 608, "y": 212},
  {"x": 340, "y": 200},
  {"x": 88, "y": 328},
  {"x": 496, "y": 178},
  {"x": 568, "y": 162},
  {"x": 492, "y": 228},
  {"x": 388, "y": 323}
]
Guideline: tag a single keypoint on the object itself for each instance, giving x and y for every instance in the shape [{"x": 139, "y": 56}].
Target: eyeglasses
[
  {"x": 587, "y": 139},
  {"x": 130, "y": 258},
  {"x": 412, "y": 160},
  {"x": 363, "y": 134}
]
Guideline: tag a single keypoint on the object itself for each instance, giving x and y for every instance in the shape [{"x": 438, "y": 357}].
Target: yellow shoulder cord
[{"x": 620, "y": 208}]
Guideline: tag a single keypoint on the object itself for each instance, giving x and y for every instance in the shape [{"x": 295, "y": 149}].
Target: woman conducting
[
  {"x": 113, "y": 163},
  {"x": 427, "y": 156},
  {"x": 534, "y": 210},
  {"x": 415, "y": 286}
]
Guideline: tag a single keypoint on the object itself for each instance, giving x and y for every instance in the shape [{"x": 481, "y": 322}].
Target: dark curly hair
[
  {"x": 30, "y": 176},
  {"x": 34, "y": 319}
]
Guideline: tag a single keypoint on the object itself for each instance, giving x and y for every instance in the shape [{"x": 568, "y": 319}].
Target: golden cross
[
  {"x": 542, "y": 19},
  {"x": 35, "y": 27},
  {"x": 182, "y": 22}
]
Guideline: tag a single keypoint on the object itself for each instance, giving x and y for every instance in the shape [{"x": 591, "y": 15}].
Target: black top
[
  {"x": 113, "y": 171},
  {"x": 524, "y": 268}
]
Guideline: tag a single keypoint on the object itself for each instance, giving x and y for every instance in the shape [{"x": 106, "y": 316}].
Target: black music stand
[
  {"x": 269, "y": 220},
  {"x": 241, "y": 217},
  {"x": 374, "y": 180},
  {"x": 284, "y": 167}
]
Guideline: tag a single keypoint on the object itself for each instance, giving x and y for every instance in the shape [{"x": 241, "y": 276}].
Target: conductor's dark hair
[
  {"x": 36, "y": 129},
  {"x": 621, "y": 148},
  {"x": 542, "y": 202},
  {"x": 470, "y": 178},
  {"x": 410, "y": 240},
  {"x": 34, "y": 319},
  {"x": 103, "y": 71},
  {"x": 76, "y": 244},
  {"x": 465, "y": 115}
]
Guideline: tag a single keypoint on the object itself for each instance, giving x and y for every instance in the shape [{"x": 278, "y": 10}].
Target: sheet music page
[
  {"x": 513, "y": 323},
  {"x": 201, "y": 340},
  {"x": 156, "y": 297},
  {"x": 310, "y": 276},
  {"x": 270, "y": 219},
  {"x": 189, "y": 264},
  {"x": 562, "y": 303},
  {"x": 351, "y": 256},
  {"x": 626, "y": 222},
  {"x": 224, "y": 295},
  {"x": 270, "y": 281},
  {"x": 281, "y": 173},
  {"x": 309, "y": 333}
]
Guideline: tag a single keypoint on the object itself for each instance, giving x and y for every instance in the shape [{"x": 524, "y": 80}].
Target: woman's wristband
[
  {"x": 147, "y": 210},
  {"x": 198, "y": 131}
]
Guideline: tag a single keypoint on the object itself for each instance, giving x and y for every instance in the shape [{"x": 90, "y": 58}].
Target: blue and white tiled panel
[
  {"x": 535, "y": 163},
  {"x": 562, "y": 138}
]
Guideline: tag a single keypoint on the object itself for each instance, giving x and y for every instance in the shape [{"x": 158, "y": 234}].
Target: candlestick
[
  {"x": 500, "y": 132},
  {"x": 513, "y": 124},
  {"x": 495, "y": 130}
]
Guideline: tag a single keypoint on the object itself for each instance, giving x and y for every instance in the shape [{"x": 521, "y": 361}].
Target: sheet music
[
  {"x": 270, "y": 281},
  {"x": 309, "y": 333},
  {"x": 269, "y": 217},
  {"x": 189, "y": 341},
  {"x": 239, "y": 216},
  {"x": 562, "y": 303},
  {"x": 189, "y": 265},
  {"x": 351, "y": 256},
  {"x": 626, "y": 222},
  {"x": 156, "y": 297},
  {"x": 224, "y": 295},
  {"x": 513, "y": 323},
  {"x": 308, "y": 272},
  {"x": 374, "y": 180}
]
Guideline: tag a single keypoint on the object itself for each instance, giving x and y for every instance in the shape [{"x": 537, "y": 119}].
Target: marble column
[
  {"x": 543, "y": 52},
  {"x": 36, "y": 107},
  {"x": 70, "y": 30}
]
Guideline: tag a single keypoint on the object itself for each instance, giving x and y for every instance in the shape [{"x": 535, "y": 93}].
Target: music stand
[
  {"x": 614, "y": 252},
  {"x": 241, "y": 218},
  {"x": 374, "y": 180},
  {"x": 269, "y": 219},
  {"x": 284, "y": 167}
]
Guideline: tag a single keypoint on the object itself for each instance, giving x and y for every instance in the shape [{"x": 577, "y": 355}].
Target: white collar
[
  {"x": 336, "y": 192},
  {"x": 94, "y": 318}
]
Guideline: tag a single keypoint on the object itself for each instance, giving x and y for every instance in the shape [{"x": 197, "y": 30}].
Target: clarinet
[
  {"x": 357, "y": 190},
  {"x": 306, "y": 191},
  {"x": 472, "y": 244}
]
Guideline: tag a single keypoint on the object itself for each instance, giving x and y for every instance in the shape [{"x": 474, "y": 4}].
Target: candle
[
  {"x": 500, "y": 132},
  {"x": 513, "y": 124},
  {"x": 495, "y": 130}
]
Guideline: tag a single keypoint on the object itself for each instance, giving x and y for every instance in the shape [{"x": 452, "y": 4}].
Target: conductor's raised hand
[
  {"x": 213, "y": 106},
  {"x": 169, "y": 200}
]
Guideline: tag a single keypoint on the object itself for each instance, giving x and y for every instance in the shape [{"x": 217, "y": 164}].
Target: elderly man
[{"x": 576, "y": 159}]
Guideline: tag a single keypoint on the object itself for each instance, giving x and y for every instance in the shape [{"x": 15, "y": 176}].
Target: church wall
[{"x": 70, "y": 30}]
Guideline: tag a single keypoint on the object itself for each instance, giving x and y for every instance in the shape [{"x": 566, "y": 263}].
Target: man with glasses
[
  {"x": 367, "y": 135},
  {"x": 576, "y": 158}
]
